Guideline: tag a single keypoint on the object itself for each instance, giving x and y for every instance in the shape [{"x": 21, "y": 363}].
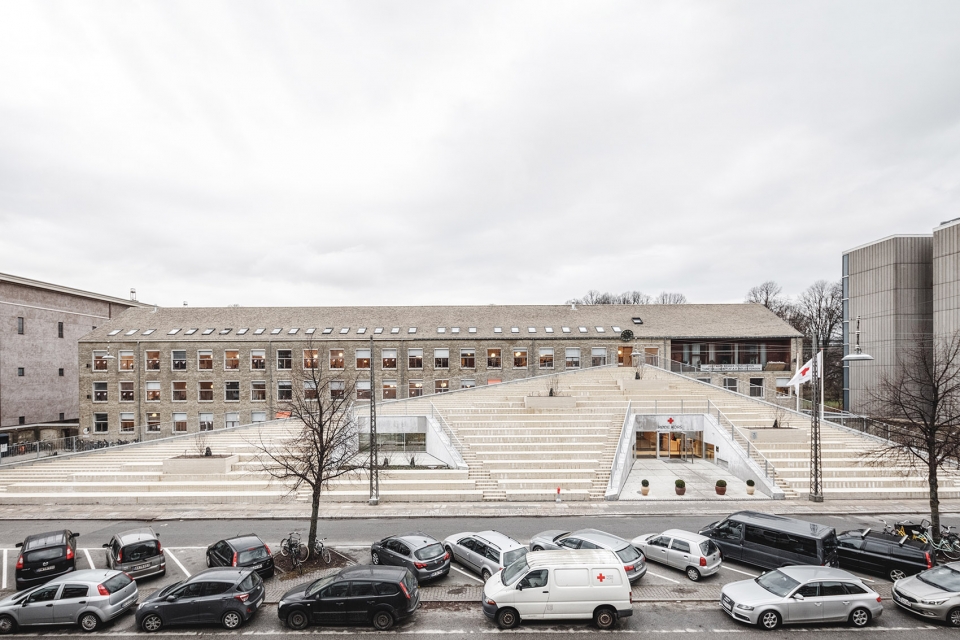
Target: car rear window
[
  {"x": 46, "y": 541},
  {"x": 251, "y": 581},
  {"x": 387, "y": 589},
  {"x": 252, "y": 555},
  {"x": 117, "y": 582},
  {"x": 431, "y": 551},
  {"x": 707, "y": 548},
  {"x": 40, "y": 555},
  {"x": 141, "y": 551},
  {"x": 509, "y": 557},
  {"x": 628, "y": 554}
]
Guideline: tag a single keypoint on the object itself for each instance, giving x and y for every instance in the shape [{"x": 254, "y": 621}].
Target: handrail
[
  {"x": 454, "y": 440},
  {"x": 620, "y": 472}
]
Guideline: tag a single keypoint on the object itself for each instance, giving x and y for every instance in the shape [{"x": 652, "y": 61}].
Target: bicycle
[
  {"x": 294, "y": 549},
  {"x": 321, "y": 551}
]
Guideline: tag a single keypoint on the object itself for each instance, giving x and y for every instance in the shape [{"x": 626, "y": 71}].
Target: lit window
[
  {"x": 206, "y": 392},
  {"x": 363, "y": 389},
  {"x": 180, "y": 423},
  {"x": 126, "y": 423},
  {"x": 178, "y": 360},
  {"x": 259, "y": 332},
  {"x": 472, "y": 330},
  {"x": 389, "y": 389},
  {"x": 99, "y": 361},
  {"x": 153, "y": 421},
  {"x": 231, "y": 392},
  {"x": 441, "y": 386},
  {"x": 616, "y": 328},
  {"x": 131, "y": 332},
  {"x": 126, "y": 361},
  {"x": 309, "y": 390},
  {"x": 395, "y": 330},
  {"x": 153, "y": 392},
  {"x": 361, "y": 330},
  {"x": 514, "y": 329},
  {"x": 231, "y": 359},
  {"x": 598, "y": 356},
  {"x": 415, "y": 358},
  {"x": 258, "y": 391},
  {"x": 455, "y": 330},
  {"x": 412, "y": 330},
  {"x": 207, "y": 332},
  {"x": 146, "y": 333},
  {"x": 441, "y": 330},
  {"x": 100, "y": 392},
  {"x": 190, "y": 332},
  {"x": 224, "y": 332},
  {"x": 345, "y": 330},
  {"x": 206, "y": 422},
  {"x": 549, "y": 329},
  {"x": 546, "y": 358},
  {"x": 378, "y": 330},
  {"x": 600, "y": 330},
  {"x": 274, "y": 332},
  {"x": 531, "y": 329},
  {"x": 112, "y": 333},
  {"x": 100, "y": 423},
  {"x": 468, "y": 358},
  {"x": 241, "y": 332},
  {"x": 336, "y": 359},
  {"x": 328, "y": 330},
  {"x": 153, "y": 360},
  {"x": 389, "y": 358},
  {"x": 493, "y": 358},
  {"x": 258, "y": 359},
  {"x": 284, "y": 390},
  {"x": 583, "y": 329},
  {"x": 311, "y": 331},
  {"x": 572, "y": 358},
  {"x": 519, "y": 358},
  {"x": 293, "y": 331},
  {"x": 284, "y": 359},
  {"x": 179, "y": 391},
  {"x": 363, "y": 358},
  {"x": 205, "y": 359},
  {"x": 415, "y": 388},
  {"x": 310, "y": 359},
  {"x": 468, "y": 384},
  {"x": 441, "y": 358},
  {"x": 173, "y": 332},
  {"x": 338, "y": 389},
  {"x": 565, "y": 329}
]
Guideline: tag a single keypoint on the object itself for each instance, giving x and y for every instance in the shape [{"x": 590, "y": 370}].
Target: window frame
[
  {"x": 499, "y": 358},
  {"x": 468, "y": 358}
]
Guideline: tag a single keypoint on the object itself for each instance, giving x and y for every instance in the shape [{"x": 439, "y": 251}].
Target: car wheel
[
  {"x": 485, "y": 575},
  {"x": 382, "y": 620},
  {"x": 859, "y": 617},
  {"x": 953, "y": 617},
  {"x": 231, "y": 620},
  {"x": 605, "y": 618},
  {"x": 693, "y": 573},
  {"x": 151, "y": 623},
  {"x": 897, "y": 574},
  {"x": 89, "y": 622},
  {"x": 537, "y": 547},
  {"x": 7, "y": 625},
  {"x": 507, "y": 619},
  {"x": 297, "y": 620},
  {"x": 769, "y": 620},
  {"x": 375, "y": 557}
]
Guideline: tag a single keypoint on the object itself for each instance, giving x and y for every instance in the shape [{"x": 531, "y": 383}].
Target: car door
[
  {"x": 403, "y": 556},
  {"x": 569, "y": 543},
  {"x": 463, "y": 551},
  {"x": 658, "y": 549},
  {"x": 38, "y": 607},
  {"x": 849, "y": 552},
  {"x": 837, "y": 603},
  {"x": 533, "y": 593},
  {"x": 491, "y": 558},
  {"x": 875, "y": 557},
  {"x": 808, "y": 609},
  {"x": 388, "y": 552},
  {"x": 223, "y": 554},
  {"x": 332, "y": 604},
  {"x": 361, "y": 600},
  {"x": 214, "y": 598},
  {"x": 183, "y": 610},
  {"x": 679, "y": 553},
  {"x": 68, "y": 604},
  {"x": 111, "y": 551},
  {"x": 728, "y": 535}
]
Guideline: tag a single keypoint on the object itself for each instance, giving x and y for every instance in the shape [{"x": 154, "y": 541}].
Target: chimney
[
  {"x": 573, "y": 306},
  {"x": 133, "y": 294},
  {"x": 184, "y": 303}
]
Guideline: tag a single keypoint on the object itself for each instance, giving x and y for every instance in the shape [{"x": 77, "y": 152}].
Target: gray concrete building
[
  {"x": 946, "y": 279},
  {"x": 40, "y": 324},
  {"x": 159, "y": 371}
]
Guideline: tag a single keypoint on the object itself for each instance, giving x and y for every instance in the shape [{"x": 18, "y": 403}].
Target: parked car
[
  {"x": 633, "y": 560},
  {"x": 883, "y": 554},
  {"x": 934, "y": 593},
  {"x": 423, "y": 555},
  {"x": 692, "y": 553},
  {"x": 44, "y": 556},
  {"x": 137, "y": 552},
  {"x": 247, "y": 551},
  {"x": 228, "y": 596},
  {"x": 771, "y": 541},
  {"x": 486, "y": 552},
  {"x": 87, "y": 598},
  {"x": 576, "y": 584},
  {"x": 802, "y": 594},
  {"x": 376, "y": 595}
]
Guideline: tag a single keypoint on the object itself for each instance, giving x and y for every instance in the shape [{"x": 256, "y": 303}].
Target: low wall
[
  {"x": 199, "y": 465},
  {"x": 777, "y": 435},
  {"x": 550, "y": 402}
]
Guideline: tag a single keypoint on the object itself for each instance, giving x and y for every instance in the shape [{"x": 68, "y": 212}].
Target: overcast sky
[{"x": 326, "y": 153}]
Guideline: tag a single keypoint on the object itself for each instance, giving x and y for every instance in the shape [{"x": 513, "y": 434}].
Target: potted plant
[
  {"x": 680, "y": 487},
  {"x": 644, "y": 487},
  {"x": 721, "y": 487},
  {"x": 750, "y": 487}
]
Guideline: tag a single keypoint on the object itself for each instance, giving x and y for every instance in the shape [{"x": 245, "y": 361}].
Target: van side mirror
[{"x": 798, "y": 597}]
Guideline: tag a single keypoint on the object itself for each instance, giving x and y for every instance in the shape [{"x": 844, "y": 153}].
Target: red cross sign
[
  {"x": 670, "y": 420},
  {"x": 803, "y": 371},
  {"x": 601, "y": 577}
]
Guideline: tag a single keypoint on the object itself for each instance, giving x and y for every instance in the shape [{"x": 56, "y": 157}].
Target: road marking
[
  {"x": 184, "y": 548},
  {"x": 752, "y": 575},
  {"x": 651, "y": 573},
  {"x": 86, "y": 552},
  {"x": 174, "y": 558},
  {"x": 3, "y": 583},
  {"x": 467, "y": 574}
]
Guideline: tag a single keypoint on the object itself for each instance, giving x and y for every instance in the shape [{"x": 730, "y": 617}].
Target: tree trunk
[
  {"x": 314, "y": 516},
  {"x": 934, "y": 497}
]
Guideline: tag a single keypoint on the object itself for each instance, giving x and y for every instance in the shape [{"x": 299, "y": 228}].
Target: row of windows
[
  {"x": 178, "y": 422},
  {"x": 337, "y": 359},
  {"x": 21, "y": 327},
  {"x": 22, "y": 371}
]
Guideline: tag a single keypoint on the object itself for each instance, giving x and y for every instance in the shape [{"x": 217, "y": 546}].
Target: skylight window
[
  {"x": 497, "y": 330},
  {"x": 441, "y": 329},
  {"x": 455, "y": 330},
  {"x": 617, "y": 329},
  {"x": 362, "y": 330},
  {"x": 514, "y": 329},
  {"x": 565, "y": 329},
  {"x": 583, "y": 329},
  {"x": 224, "y": 332},
  {"x": 531, "y": 329},
  {"x": 293, "y": 331},
  {"x": 412, "y": 330},
  {"x": 328, "y": 330},
  {"x": 173, "y": 332},
  {"x": 311, "y": 331},
  {"x": 131, "y": 332},
  {"x": 378, "y": 330},
  {"x": 207, "y": 332},
  {"x": 600, "y": 330},
  {"x": 240, "y": 332},
  {"x": 472, "y": 330},
  {"x": 114, "y": 332},
  {"x": 549, "y": 329},
  {"x": 395, "y": 330},
  {"x": 148, "y": 332},
  {"x": 345, "y": 330},
  {"x": 259, "y": 332},
  {"x": 190, "y": 332},
  {"x": 637, "y": 321},
  {"x": 274, "y": 332}
]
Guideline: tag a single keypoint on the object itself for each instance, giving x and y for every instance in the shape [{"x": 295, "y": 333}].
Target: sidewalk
[{"x": 344, "y": 511}]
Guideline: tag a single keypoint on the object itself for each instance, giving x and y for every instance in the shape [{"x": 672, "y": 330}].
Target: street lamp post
[
  {"x": 816, "y": 484},
  {"x": 374, "y": 471}
]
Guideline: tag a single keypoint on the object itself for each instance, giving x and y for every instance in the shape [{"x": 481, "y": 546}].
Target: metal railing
[
  {"x": 445, "y": 429},
  {"x": 620, "y": 472}
]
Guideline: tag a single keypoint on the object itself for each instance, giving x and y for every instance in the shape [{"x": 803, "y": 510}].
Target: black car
[
  {"x": 423, "y": 555},
  {"x": 226, "y": 596},
  {"x": 247, "y": 551},
  {"x": 369, "y": 594},
  {"x": 44, "y": 556},
  {"x": 772, "y": 541},
  {"x": 883, "y": 554}
]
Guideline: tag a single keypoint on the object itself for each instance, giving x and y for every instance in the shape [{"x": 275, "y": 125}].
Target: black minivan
[
  {"x": 771, "y": 541},
  {"x": 44, "y": 556},
  {"x": 883, "y": 554}
]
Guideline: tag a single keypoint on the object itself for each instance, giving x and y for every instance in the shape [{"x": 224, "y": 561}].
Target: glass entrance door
[{"x": 678, "y": 445}]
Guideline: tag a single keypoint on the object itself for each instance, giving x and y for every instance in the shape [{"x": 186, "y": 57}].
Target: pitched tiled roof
[{"x": 658, "y": 321}]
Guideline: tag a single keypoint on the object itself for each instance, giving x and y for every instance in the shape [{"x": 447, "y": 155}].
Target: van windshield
[
  {"x": 515, "y": 570},
  {"x": 777, "y": 583}
]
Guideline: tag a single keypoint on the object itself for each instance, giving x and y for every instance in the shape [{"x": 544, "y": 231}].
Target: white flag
[{"x": 805, "y": 372}]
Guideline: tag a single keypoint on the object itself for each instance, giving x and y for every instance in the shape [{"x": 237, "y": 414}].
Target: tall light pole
[
  {"x": 374, "y": 471},
  {"x": 816, "y": 484}
]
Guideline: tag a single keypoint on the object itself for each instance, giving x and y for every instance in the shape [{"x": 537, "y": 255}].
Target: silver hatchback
[
  {"x": 934, "y": 593},
  {"x": 692, "y": 553},
  {"x": 87, "y": 598},
  {"x": 137, "y": 552},
  {"x": 486, "y": 552}
]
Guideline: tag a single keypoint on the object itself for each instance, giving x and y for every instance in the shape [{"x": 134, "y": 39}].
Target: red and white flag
[{"x": 805, "y": 372}]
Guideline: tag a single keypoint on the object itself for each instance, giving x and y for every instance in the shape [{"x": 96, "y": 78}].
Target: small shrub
[
  {"x": 721, "y": 483},
  {"x": 644, "y": 483},
  {"x": 680, "y": 484},
  {"x": 750, "y": 483}
]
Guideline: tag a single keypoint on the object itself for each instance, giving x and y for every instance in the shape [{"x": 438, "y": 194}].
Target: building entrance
[{"x": 672, "y": 445}]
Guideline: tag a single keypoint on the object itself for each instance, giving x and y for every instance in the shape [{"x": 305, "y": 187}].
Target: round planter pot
[
  {"x": 644, "y": 490},
  {"x": 680, "y": 490},
  {"x": 721, "y": 490},
  {"x": 750, "y": 490}
]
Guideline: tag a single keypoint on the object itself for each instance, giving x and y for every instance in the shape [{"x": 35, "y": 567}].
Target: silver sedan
[
  {"x": 934, "y": 593},
  {"x": 802, "y": 594}
]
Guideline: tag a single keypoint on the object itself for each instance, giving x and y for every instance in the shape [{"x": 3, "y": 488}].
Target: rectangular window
[
  {"x": 153, "y": 360},
  {"x": 59, "y": 329},
  {"x": 363, "y": 389},
  {"x": 389, "y": 389},
  {"x": 493, "y": 358},
  {"x": 205, "y": 360},
  {"x": 284, "y": 359},
  {"x": 179, "y": 391},
  {"x": 441, "y": 358},
  {"x": 572, "y": 358},
  {"x": 153, "y": 422},
  {"x": 337, "y": 389},
  {"x": 468, "y": 358},
  {"x": 546, "y": 358},
  {"x": 180, "y": 423},
  {"x": 598, "y": 356},
  {"x": 519, "y": 358},
  {"x": 19, "y": 326},
  {"x": 126, "y": 423},
  {"x": 153, "y": 392},
  {"x": 60, "y": 372},
  {"x": 258, "y": 359},
  {"x": 99, "y": 391},
  {"x": 126, "y": 361},
  {"x": 100, "y": 423},
  {"x": 231, "y": 360},
  {"x": 99, "y": 361},
  {"x": 468, "y": 384},
  {"x": 206, "y": 392},
  {"x": 285, "y": 390},
  {"x": 336, "y": 359},
  {"x": 389, "y": 357},
  {"x": 756, "y": 387},
  {"x": 310, "y": 359},
  {"x": 363, "y": 358},
  {"x": 441, "y": 386},
  {"x": 258, "y": 391},
  {"x": 415, "y": 388},
  {"x": 231, "y": 420},
  {"x": 258, "y": 416},
  {"x": 309, "y": 390},
  {"x": 20, "y": 372},
  {"x": 415, "y": 358},
  {"x": 126, "y": 392},
  {"x": 179, "y": 360},
  {"x": 206, "y": 422},
  {"x": 730, "y": 384},
  {"x": 231, "y": 392}
]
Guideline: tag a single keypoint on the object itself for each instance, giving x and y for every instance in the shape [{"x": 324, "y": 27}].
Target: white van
[{"x": 560, "y": 585}]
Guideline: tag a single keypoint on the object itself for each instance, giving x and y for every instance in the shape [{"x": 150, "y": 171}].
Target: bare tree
[
  {"x": 770, "y": 295},
  {"x": 670, "y": 298},
  {"x": 325, "y": 443},
  {"x": 594, "y": 296},
  {"x": 634, "y": 297},
  {"x": 819, "y": 311},
  {"x": 919, "y": 398}
]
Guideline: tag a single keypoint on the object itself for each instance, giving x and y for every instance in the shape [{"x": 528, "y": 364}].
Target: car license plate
[
  {"x": 436, "y": 573},
  {"x": 900, "y": 600},
  {"x": 140, "y": 566},
  {"x": 42, "y": 569}
]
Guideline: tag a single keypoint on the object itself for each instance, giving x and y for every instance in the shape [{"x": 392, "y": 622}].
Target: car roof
[
  {"x": 371, "y": 572},
  {"x": 889, "y": 538},
  {"x": 48, "y": 539},
  {"x": 416, "y": 540},
  {"x": 137, "y": 535},
  {"x": 572, "y": 557},
  {"x": 685, "y": 535},
  {"x": 601, "y": 538},
  {"x": 782, "y": 523},
  {"x": 504, "y": 542},
  {"x": 86, "y": 575},
  {"x": 805, "y": 573},
  {"x": 220, "y": 573},
  {"x": 245, "y": 541}
]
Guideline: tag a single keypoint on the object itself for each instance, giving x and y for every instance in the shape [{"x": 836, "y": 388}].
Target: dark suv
[
  {"x": 423, "y": 555},
  {"x": 226, "y": 596},
  {"x": 883, "y": 554},
  {"x": 375, "y": 595},
  {"x": 247, "y": 551},
  {"x": 44, "y": 556}
]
